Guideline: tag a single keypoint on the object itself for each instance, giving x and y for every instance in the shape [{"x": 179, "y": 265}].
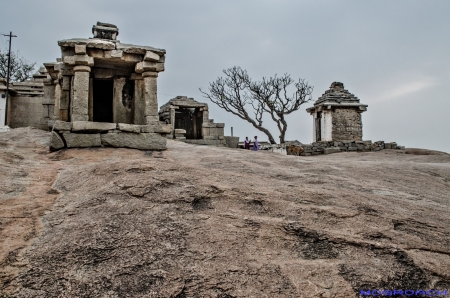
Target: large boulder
[{"x": 142, "y": 141}]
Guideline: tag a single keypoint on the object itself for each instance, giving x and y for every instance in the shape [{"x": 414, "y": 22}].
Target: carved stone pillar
[
  {"x": 150, "y": 97},
  {"x": 80, "y": 102}
]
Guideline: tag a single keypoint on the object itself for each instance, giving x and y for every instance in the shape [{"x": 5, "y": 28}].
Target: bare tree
[
  {"x": 20, "y": 69},
  {"x": 250, "y": 100}
]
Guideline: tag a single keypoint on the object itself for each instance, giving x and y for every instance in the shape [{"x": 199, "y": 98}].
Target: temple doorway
[{"x": 103, "y": 91}]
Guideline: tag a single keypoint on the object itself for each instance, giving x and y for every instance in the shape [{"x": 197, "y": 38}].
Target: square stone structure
[
  {"x": 337, "y": 115},
  {"x": 189, "y": 121},
  {"x": 101, "y": 80}
]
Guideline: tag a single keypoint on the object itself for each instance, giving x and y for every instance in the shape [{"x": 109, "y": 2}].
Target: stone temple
[
  {"x": 189, "y": 120},
  {"x": 103, "y": 92},
  {"x": 337, "y": 115}
]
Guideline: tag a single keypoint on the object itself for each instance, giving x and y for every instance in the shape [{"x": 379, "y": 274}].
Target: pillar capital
[
  {"x": 82, "y": 68},
  {"x": 150, "y": 74}
]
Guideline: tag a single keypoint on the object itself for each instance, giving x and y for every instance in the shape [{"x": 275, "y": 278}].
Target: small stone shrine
[
  {"x": 189, "y": 121},
  {"x": 105, "y": 93},
  {"x": 337, "y": 115}
]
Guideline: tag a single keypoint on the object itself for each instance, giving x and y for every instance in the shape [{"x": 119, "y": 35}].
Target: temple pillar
[
  {"x": 80, "y": 102},
  {"x": 150, "y": 97}
]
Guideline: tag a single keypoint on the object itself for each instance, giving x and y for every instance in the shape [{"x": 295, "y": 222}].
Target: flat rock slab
[
  {"x": 81, "y": 140},
  {"x": 129, "y": 127},
  {"x": 142, "y": 141},
  {"x": 159, "y": 128},
  {"x": 92, "y": 126}
]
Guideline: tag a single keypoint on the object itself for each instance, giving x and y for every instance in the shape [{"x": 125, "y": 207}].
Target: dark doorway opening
[
  {"x": 190, "y": 120},
  {"x": 318, "y": 127},
  {"x": 103, "y": 100}
]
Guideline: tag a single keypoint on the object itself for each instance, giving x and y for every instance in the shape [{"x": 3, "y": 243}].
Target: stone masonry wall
[
  {"x": 318, "y": 148},
  {"x": 347, "y": 125},
  {"x": 26, "y": 111}
]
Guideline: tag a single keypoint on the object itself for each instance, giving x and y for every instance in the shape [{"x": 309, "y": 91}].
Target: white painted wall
[
  {"x": 326, "y": 123},
  {"x": 314, "y": 126},
  {"x": 2, "y": 108}
]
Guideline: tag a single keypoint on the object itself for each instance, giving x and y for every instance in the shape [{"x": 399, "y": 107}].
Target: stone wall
[
  {"x": 347, "y": 125},
  {"x": 26, "y": 111},
  {"x": 82, "y": 134},
  {"x": 318, "y": 148}
]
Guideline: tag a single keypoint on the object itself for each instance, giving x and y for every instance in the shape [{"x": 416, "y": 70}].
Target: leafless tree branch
[{"x": 268, "y": 96}]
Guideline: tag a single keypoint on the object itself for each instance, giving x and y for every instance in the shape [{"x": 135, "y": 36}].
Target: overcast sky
[{"x": 393, "y": 55}]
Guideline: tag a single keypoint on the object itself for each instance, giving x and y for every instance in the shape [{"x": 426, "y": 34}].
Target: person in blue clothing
[{"x": 255, "y": 144}]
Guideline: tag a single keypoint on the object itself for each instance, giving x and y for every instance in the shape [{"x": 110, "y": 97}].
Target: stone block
[
  {"x": 92, "y": 126},
  {"x": 179, "y": 135},
  {"x": 387, "y": 146},
  {"x": 62, "y": 125},
  {"x": 79, "y": 140},
  {"x": 56, "y": 142},
  {"x": 352, "y": 148},
  {"x": 331, "y": 150},
  {"x": 393, "y": 145},
  {"x": 180, "y": 131},
  {"x": 129, "y": 127},
  {"x": 150, "y": 56},
  {"x": 208, "y": 124},
  {"x": 210, "y": 137},
  {"x": 231, "y": 142},
  {"x": 149, "y": 66},
  {"x": 162, "y": 128},
  {"x": 79, "y": 60},
  {"x": 142, "y": 141},
  {"x": 80, "y": 49},
  {"x": 222, "y": 137},
  {"x": 220, "y": 125}
]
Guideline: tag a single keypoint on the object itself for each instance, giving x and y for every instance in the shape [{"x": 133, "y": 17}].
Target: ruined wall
[
  {"x": 26, "y": 111},
  {"x": 347, "y": 125}
]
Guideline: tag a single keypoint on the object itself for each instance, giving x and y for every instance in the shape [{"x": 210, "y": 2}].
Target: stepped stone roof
[
  {"x": 105, "y": 38},
  {"x": 337, "y": 96},
  {"x": 183, "y": 101}
]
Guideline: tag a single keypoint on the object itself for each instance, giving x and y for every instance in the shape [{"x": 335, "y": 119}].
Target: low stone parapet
[
  {"x": 83, "y": 134},
  {"x": 330, "y": 147}
]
